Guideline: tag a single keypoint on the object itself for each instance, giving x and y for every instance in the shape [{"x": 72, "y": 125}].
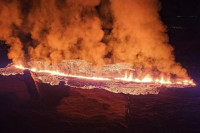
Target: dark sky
[
  {"x": 183, "y": 20},
  {"x": 182, "y": 12},
  {"x": 181, "y": 7}
]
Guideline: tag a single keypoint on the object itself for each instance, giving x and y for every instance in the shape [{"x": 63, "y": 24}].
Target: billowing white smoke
[{"x": 99, "y": 32}]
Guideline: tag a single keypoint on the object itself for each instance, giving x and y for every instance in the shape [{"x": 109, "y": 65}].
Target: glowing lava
[
  {"x": 127, "y": 78},
  {"x": 57, "y": 73},
  {"x": 161, "y": 80}
]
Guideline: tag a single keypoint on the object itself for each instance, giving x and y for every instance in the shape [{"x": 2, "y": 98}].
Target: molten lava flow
[
  {"x": 57, "y": 73},
  {"x": 161, "y": 80},
  {"x": 127, "y": 78},
  {"x": 116, "y": 78}
]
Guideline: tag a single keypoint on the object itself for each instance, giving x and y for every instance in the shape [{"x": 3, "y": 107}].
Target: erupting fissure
[
  {"x": 103, "y": 33},
  {"x": 117, "y": 78},
  {"x": 126, "y": 78},
  {"x": 57, "y": 73}
]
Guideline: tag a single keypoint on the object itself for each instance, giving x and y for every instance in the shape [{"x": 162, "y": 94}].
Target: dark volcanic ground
[{"x": 63, "y": 109}]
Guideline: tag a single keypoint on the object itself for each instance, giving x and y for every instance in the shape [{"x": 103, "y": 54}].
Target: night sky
[{"x": 183, "y": 20}]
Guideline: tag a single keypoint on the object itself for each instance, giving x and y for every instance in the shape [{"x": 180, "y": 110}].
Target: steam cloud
[{"x": 98, "y": 31}]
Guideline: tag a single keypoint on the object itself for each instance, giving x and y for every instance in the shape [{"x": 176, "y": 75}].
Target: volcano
[{"x": 99, "y": 66}]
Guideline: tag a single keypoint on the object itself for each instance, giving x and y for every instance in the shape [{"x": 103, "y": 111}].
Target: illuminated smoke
[
  {"x": 139, "y": 37},
  {"x": 9, "y": 19},
  {"x": 100, "y": 32}
]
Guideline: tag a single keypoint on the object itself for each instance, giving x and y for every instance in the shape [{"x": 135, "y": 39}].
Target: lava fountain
[{"x": 111, "y": 78}]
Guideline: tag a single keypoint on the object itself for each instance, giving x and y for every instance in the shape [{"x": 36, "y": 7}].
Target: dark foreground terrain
[{"x": 60, "y": 109}]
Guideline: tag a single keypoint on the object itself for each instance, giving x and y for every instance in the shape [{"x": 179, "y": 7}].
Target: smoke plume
[{"x": 98, "y": 31}]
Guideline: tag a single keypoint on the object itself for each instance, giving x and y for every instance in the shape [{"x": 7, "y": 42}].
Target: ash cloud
[{"x": 98, "y": 31}]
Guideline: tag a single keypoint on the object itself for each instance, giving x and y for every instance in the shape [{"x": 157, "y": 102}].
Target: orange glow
[
  {"x": 127, "y": 77},
  {"x": 53, "y": 72},
  {"x": 149, "y": 79}
]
